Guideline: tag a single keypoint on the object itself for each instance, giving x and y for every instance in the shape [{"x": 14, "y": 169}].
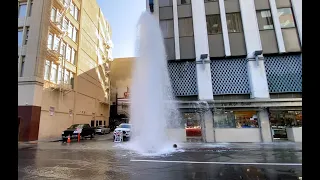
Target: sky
[{"x": 123, "y": 16}]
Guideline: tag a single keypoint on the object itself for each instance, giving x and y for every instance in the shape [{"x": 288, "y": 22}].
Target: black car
[{"x": 84, "y": 129}]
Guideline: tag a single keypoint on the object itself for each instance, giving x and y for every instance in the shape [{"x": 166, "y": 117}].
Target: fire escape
[
  {"x": 56, "y": 27},
  {"x": 106, "y": 67}
]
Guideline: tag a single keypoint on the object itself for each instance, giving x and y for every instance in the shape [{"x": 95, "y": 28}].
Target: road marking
[{"x": 223, "y": 163}]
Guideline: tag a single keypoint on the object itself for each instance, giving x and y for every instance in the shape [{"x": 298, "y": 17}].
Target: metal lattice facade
[
  {"x": 229, "y": 76},
  {"x": 183, "y": 78},
  {"x": 284, "y": 73}
]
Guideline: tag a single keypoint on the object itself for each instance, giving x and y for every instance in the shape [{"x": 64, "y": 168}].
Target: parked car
[
  {"x": 102, "y": 130},
  {"x": 85, "y": 130},
  {"x": 126, "y": 131}
]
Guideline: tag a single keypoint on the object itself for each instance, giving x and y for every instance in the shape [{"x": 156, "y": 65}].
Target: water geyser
[{"x": 153, "y": 109}]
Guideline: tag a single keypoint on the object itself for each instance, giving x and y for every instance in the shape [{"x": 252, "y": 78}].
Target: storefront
[
  {"x": 286, "y": 125},
  {"x": 236, "y": 126}
]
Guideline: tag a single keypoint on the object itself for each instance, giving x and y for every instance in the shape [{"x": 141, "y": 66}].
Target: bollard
[{"x": 78, "y": 137}]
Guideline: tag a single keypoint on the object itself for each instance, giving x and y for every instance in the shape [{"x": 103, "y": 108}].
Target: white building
[{"x": 251, "y": 74}]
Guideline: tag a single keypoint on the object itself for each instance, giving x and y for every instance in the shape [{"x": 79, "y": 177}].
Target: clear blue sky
[{"x": 123, "y": 16}]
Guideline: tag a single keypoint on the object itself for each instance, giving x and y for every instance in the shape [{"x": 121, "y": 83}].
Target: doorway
[
  {"x": 281, "y": 120},
  {"x": 92, "y": 123},
  {"x": 193, "y": 127}
]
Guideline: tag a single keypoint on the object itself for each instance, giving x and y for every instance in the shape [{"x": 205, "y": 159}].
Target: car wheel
[{"x": 92, "y": 136}]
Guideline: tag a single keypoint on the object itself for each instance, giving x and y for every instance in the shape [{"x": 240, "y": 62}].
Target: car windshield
[
  {"x": 124, "y": 126},
  {"x": 75, "y": 126},
  {"x": 99, "y": 126}
]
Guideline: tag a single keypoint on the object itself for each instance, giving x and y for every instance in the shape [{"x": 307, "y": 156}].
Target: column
[
  {"x": 201, "y": 47},
  {"x": 176, "y": 29},
  {"x": 208, "y": 124},
  {"x": 265, "y": 129},
  {"x": 256, "y": 70},
  {"x": 29, "y": 108},
  {"x": 277, "y": 26},
  {"x": 297, "y": 11}
]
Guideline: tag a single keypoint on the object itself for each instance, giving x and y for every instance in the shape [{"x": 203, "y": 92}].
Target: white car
[
  {"x": 102, "y": 130},
  {"x": 125, "y": 128}
]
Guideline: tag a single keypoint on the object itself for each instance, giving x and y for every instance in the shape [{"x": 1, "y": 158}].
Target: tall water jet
[{"x": 153, "y": 109}]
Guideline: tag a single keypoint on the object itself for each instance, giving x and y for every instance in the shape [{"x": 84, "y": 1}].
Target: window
[
  {"x": 65, "y": 23},
  {"x": 58, "y": 19},
  {"x": 214, "y": 24},
  {"x": 236, "y": 119},
  {"x": 234, "y": 23},
  {"x": 27, "y": 37},
  {"x": 22, "y": 66},
  {"x": 185, "y": 27},
  {"x": 76, "y": 12},
  {"x": 104, "y": 123},
  {"x": 71, "y": 79},
  {"x": 59, "y": 74},
  {"x": 53, "y": 73},
  {"x": 63, "y": 49},
  {"x": 22, "y": 10},
  {"x": 286, "y": 18},
  {"x": 167, "y": 28},
  {"x": 73, "y": 56},
  {"x": 280, "y": 119},
  {"x": 74, "y": 34},
  {"x": 66, "y": 2},
  {"x": 20, "y": 37},
  {"x": 47, "y": 70},
  {"x": 56, "y": 43},
  {"x": 184, "y": 2},
  {"x": 70, "y": 30},
  {"x": 68, "y": 53},
  {"x": 66, "y": 77},
  {"x": 72, "y": 9},
  {"x": 53, "y": 14},
  {"x": 30, "y": 9},
  {"x": 164, "y": 3},
  {"x": 100, "y": 122},
  {"x": 264, "y": 20},
  {"x": 50, "y": 41}
]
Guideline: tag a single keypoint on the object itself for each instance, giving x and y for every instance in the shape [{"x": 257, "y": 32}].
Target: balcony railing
[
  {"x": 53, "y": 55},
  {"x": 56, "y": 28}
]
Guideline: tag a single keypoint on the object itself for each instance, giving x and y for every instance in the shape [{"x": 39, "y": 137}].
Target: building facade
[
  {"x": 64, "y": 51},
  {"x": 239, "y": 59}
]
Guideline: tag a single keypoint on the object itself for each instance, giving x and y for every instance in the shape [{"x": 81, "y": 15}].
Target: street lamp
[
  {"x": 151, "y": 6},
  {"x": 256, "y": 54}
]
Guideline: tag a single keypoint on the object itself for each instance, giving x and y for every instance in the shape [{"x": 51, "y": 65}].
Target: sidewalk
[{"x": 253, "y": 146}]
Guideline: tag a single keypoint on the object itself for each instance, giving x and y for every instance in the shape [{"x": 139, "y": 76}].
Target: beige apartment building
[{"x": 64, "y": 51}]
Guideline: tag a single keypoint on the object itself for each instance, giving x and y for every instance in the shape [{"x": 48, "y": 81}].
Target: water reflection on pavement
[{"x": 101, "y": 159}]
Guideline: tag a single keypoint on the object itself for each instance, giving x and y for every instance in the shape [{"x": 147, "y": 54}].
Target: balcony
[
  {"x": 55, "y": 27},
  {"x": 65, "y": 87},
  {"x": 58, "y": 4},
  {"x": 53, "y": 55},
  {"x": 50, "y": 85},
  {"x": 108, "y": 44}
]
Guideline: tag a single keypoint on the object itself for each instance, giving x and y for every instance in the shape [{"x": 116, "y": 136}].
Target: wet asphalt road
[{"x": 101, "y": 159}]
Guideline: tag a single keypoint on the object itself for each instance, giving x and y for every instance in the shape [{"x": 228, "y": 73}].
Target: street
[{"x": 100, "y": 159}]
